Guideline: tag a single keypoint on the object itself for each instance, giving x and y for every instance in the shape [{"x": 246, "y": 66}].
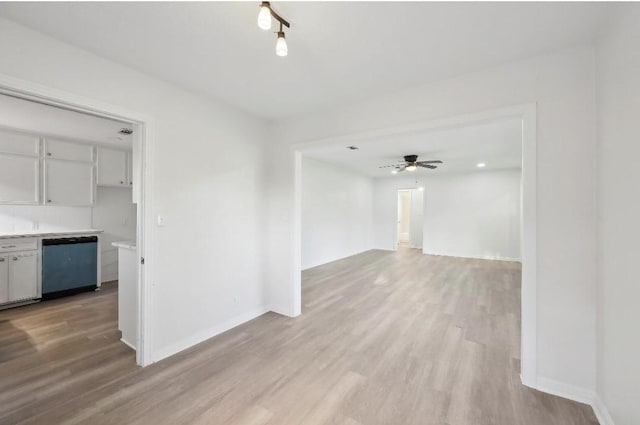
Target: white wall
[
  {"x": 336, "y": 213},
  {"x": 563, "y": 86},
  {"x": 618, "y": 69},
  {"x": 207, "y": 260},
  {"x": 115, "y": 213},
  {"x": 474, "y": 215},
  {"x": 19, "y": 218}
]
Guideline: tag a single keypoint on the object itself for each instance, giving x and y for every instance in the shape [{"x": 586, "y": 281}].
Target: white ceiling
[
  {"x": 338, "y": 52},
  {"x": 498, "y": 144},
  {"x": 48, "y": 120}
]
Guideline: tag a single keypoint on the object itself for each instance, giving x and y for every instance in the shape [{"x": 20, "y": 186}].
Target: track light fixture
[{"x": 264, "y": 23}]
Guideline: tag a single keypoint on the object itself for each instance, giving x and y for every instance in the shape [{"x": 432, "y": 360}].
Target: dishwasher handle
[{"x": 69, "y": 241}]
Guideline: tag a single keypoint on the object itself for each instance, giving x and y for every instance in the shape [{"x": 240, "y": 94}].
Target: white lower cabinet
[
  {"x": 19, "y": 276},
  {"x": 4, "y": 278}
]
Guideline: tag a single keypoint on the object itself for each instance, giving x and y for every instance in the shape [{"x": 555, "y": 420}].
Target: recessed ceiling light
[{"x": 481, "y": 165}]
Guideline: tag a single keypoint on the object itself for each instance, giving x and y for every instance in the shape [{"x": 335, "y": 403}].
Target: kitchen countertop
[
  {"x": 125, "y": 244},
  {"x": 38, "y": 233}
]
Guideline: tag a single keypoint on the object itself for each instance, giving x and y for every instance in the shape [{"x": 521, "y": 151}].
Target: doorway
[
  {"x": 403, "y": 229},
  {"x": 138, "y": 160},
  {"x": 526, "y": 114}
]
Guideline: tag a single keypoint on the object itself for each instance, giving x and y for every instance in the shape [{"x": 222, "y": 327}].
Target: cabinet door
[
  {"x": 58, "y": 149},
  {"x": 23, "y": 275},
  {"x": 18, "y": 143},
  {"x": 130, "y": 169},
  {"x": 4, "y": 279},
  {"x": 19, "y": 179},
  {"x": 112, "y": 167},
  {"x": 68, "y": 183}
]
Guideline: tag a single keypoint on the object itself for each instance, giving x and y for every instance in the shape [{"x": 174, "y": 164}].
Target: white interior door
[{"x": 68, "y": 183}]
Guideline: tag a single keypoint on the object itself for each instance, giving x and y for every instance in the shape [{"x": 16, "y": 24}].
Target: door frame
[
  {"x": 528, "y": 212},
  {"x": 143, "y": 137}
]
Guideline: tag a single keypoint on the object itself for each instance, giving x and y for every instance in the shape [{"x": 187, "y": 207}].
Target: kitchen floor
[{"x": 385, "y": 338}]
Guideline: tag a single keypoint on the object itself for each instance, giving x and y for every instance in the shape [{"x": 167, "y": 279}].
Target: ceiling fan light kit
[
  {"x": 411, "y": 163},
  {"x": 264, "y": 23}
]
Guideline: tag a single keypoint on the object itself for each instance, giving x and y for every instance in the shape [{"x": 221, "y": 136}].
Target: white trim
[
  {"x": 564, "y": 390},
  {"x": 601, "y": 412},
  {"x": 280, "y": 310},
  {"x": 475, "y": 257},
  {"x": 339, "y": 258},
  {"x": 209, "y": 333},
  {"x": 526, "y": 112},
  {"x": 128, "y": 344},
  {"x": 37, "y": 92}
]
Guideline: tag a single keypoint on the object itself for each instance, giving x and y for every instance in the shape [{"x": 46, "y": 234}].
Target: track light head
[
  {"x": 281, "y": 45},
  {"x": 264, "y": 17}
]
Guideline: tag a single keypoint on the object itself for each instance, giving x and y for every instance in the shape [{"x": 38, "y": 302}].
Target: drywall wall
[
  {"x": 115, "y": 213},
  {"x": 336, "y": 212},
  {"x": 206, "y": 262},
  {"x": 563, "y": 87},
  {"x": 416, "y": 220},
  {"x": 18, "y": 218},
  {"x": 618, "y": 93},
  {"x": 474, "y": 215},
  {"x": 459, "y": 214}
]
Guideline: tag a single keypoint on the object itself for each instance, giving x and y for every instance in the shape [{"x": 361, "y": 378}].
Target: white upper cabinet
[
  {"x": 130, "y": 169},
  {"x": 68, "y": 183},
  {"x": 18, "y": 143},
  {"x": 19, "y": 179},
  {"x": 113, "y": 167},
  {"x": 58, "y": 149}
]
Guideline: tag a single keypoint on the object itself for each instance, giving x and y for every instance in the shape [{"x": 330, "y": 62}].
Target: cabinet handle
[
  {"x": 131, "y": 183},
  {"x": 48, "y": 153},
  {"x": 121, "y": 182},
  {"x": 48, "y": 200},
  {"x": 1, "y": 260},
  {"x": 8, "y": 246},
  {"x": 15, "y": 258}
]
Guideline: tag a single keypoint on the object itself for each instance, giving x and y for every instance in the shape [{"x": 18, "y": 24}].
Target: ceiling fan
[{"x": 411, "y": 163}]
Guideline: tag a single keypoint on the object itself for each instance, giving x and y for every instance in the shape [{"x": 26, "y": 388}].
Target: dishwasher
[{"x": 69, "y": 266}]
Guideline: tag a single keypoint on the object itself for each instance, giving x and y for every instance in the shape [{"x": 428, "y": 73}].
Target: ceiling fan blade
[
  {"x": 430, "y": 162},
  {"x": 419, "y": 164},
  {"x": 402, "y": 168},
  {"x": 389, "y": 166}
]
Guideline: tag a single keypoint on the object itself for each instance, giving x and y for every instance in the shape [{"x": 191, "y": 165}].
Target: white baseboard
[
  {"x": 128, "y": 344},
  {"x": 281, "y": 311},
  {"x": 601, "y": 412},
  {"x": 579, "y": 394},
  {"x": 564, "y": 390},
  {"x": 208, "y": 333},
  {"x": 475, "y": 257}
]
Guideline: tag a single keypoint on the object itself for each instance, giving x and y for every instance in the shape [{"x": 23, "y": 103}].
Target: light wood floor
[{"x": 385, "y": 338}]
